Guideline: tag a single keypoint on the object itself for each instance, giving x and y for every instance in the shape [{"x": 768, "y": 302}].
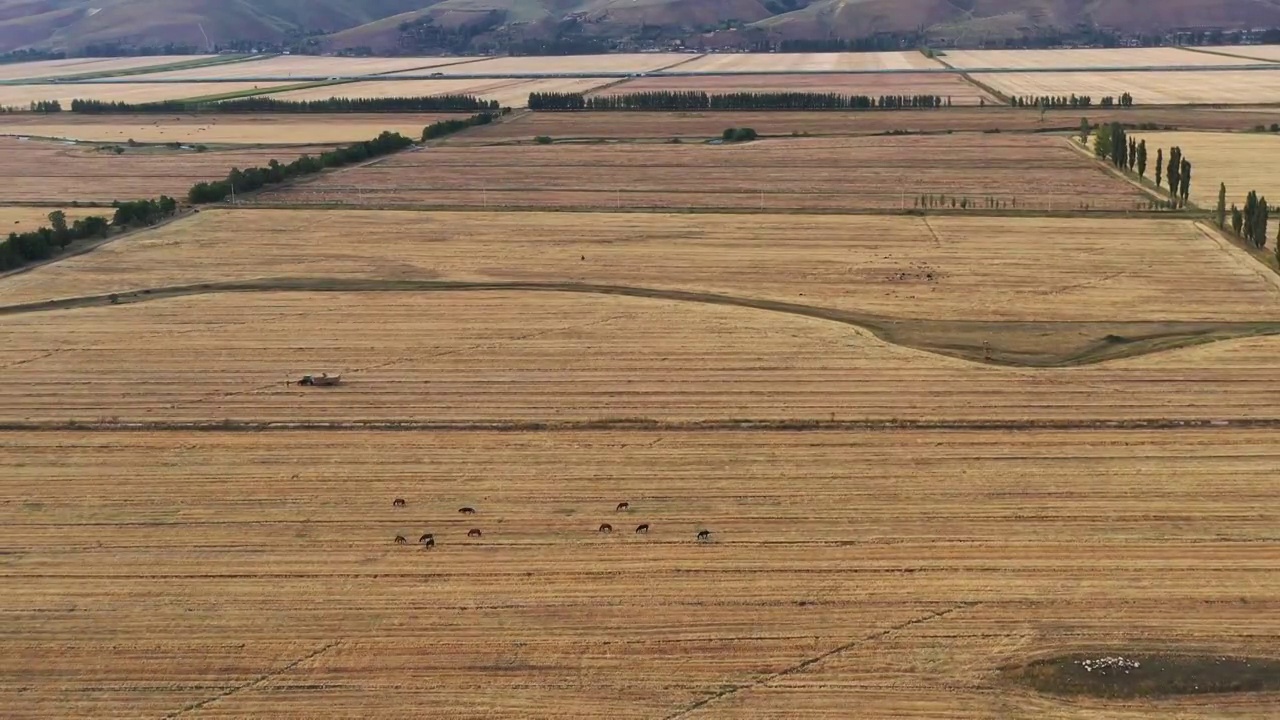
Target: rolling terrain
[{"x": 74, "y": 24}]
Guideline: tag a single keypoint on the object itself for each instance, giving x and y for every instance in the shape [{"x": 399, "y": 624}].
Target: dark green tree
[
  {"x": 1142, "y": 158},
  {"x": 1222, "y": 206},
  {"x": 1260, "y": 225},
  {"x": 1184, "y": 177},
  {"x": 61, "y": 234},
  {"x": 1171, "y": 173},
  {"x": 1085, "y": 130},
  {"x": 1102, "y": 142},
  {"x": 1159, "y": 164},
  {"x": 1237, "y": 219},
  {"x": 1250, "y": 215}
]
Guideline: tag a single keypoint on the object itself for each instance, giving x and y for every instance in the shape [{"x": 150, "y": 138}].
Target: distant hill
[{"x": 469, "y": 25}]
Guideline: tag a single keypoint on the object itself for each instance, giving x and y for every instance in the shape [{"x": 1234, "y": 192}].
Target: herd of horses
[{"x": 429, "y": 541}]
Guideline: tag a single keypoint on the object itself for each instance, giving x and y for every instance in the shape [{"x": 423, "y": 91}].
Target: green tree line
[
  {"x": 696, "y": 100},
  {"x": 435, "y": 103},
  {"x": 275, "y": 172},
  {"x": 1055, "y": 102},
  {"x": 21, "y": 249},
  {"x": 449, "y": 127}
]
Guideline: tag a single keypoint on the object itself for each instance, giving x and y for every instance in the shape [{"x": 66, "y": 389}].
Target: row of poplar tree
[
  {"x": 1250, "y": 222},
  {"x": 1112, "y": 142}
]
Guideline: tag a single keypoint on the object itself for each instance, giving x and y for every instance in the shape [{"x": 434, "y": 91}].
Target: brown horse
[
  {"x": 474, "y": 533},
  {"x": 427, "y": 538},
  {"x": 642, "y": 529},
  {"x": 704, "y": 534},
  {"x": 623, "y": 507},
  {"x": 400, "y": 540},
  {"x": 467, "y": 511},
  {"x": 606, "y": 528},
  {"x": 398, "y": 502},
  {"x": 430, "y": 542}
]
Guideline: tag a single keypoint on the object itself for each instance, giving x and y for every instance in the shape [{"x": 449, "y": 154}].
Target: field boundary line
[
  {"x": 1221, "y": 53},
  {"x": 253, "y": 683},
  {"x": 1149, "y": 192},
  {"x": 1249, "y": 260},
  {"x": 814, "y": 660}
]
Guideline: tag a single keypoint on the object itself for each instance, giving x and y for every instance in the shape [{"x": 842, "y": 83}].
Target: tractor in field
[{"x": 321, "y": 380}]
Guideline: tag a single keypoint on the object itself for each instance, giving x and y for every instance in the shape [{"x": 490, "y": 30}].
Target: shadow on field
[
  {"x": 1118, "y": 675},
  {"x": 1013, "y": 343}
]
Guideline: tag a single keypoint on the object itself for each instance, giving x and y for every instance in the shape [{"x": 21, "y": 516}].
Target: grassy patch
[{"x": 1118, "y": 675}]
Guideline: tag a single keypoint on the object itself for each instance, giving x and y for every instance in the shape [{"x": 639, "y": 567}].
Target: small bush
[
  {"x": 738, "y": 135},
  {"x": 543, "y": 140}
]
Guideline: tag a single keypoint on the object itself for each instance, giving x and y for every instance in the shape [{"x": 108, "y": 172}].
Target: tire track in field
[
  {"x": 256, "y": 682},
  {"x": 767, "y": 680},
  {"x": 1003, "y": 343}
]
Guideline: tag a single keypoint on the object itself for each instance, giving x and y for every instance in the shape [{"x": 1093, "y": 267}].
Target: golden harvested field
[
  {"x": 81, "y": 66},
  {"x": 21, "y": 96},
  {"x": 260, "y": 129},
  {"x": 622, "y": 62},
  {"x": 1249, "y": 52},
  {"x": 253, "y": 574},
  {"x": 1147, "y": 88},
  {"x": 300, "y": 66},
  {"x": 1033, "y": 269},
  {"x": 1241, "y": 160},
  {"x": 1029, "y": 172},
  {"x": 1085, "y": 58},
  {"x": 19, "y": 219},
  {"x": 704, "y": 125},
  {"x": 810, "y": 62},
  {"x": 45, "y": 171},
  {"x": 509, "y": 92},
  {"x": 504, "y": 356},
  {"x": 947, "y": 86}
]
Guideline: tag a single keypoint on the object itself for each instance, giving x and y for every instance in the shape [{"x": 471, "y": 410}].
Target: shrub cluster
[{"x": 28, "y": 247}]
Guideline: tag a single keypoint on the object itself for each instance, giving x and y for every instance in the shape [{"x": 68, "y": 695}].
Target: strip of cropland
[
  {"x": 972, "y": 172},
  {"x": 53, "y": 172},
  {"x": 246, "y": 574},
  {"x": 219, "y": 129},
  {"x": 509, "y": 92},
  {"x": 709, "y": 124},
  {"x": 1243, "y": 87},
  {"x": 1084, "y": 59},
  {"x": 21, "y": 96},
  {"x": 949, "y": 87},
  {"x": 71, "y": 67}
]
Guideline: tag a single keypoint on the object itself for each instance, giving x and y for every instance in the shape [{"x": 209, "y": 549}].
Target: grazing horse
[
  {"x": 398, "y": 502},
  {"x": 642, "y": 529},
  {"x": 429, "y": 542},
  {"x": 427, "y": 538},
  {"x": 704, "y": 534},
  {"x": 400, "y": 540},
  {"x": 623, "y": 507},
  {"x": 606, "y": 528},
  {"x": 474, "y": 533},
  {"x": 467, "y": 511}
]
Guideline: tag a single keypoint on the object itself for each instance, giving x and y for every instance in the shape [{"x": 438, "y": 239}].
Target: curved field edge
[{"x": 1031, "y": 344}]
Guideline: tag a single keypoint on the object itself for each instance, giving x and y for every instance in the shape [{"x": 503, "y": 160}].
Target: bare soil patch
[{"x": 1113, "y": 674}]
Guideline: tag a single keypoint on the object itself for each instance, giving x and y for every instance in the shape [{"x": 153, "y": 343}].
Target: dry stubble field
[
  {"x": 179, "y": 573},
  {"x": 1067, "y": 59},
  {"x": 283, "y": 129},
  {"x": 47, "y": 171},
  {"x": 21, "y": 96},
  {"x": 221, "y": 575},
  {"x": 1027, "y": 172},
  {"x": 1242, "y": 87},
  {"x": 951, "y": 87},
  {"x": 509, "y": 92},
  {"x": 1241, "y": 160},
  {"x": 703, "y": 125},
  {"x": 81, "y": 66}
]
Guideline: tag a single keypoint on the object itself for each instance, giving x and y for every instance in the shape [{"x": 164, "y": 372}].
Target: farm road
[{"x": 1008, "y": 343}]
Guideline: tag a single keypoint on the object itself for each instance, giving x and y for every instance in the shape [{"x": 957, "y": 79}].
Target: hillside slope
[{"x": 73, "y": 24}]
